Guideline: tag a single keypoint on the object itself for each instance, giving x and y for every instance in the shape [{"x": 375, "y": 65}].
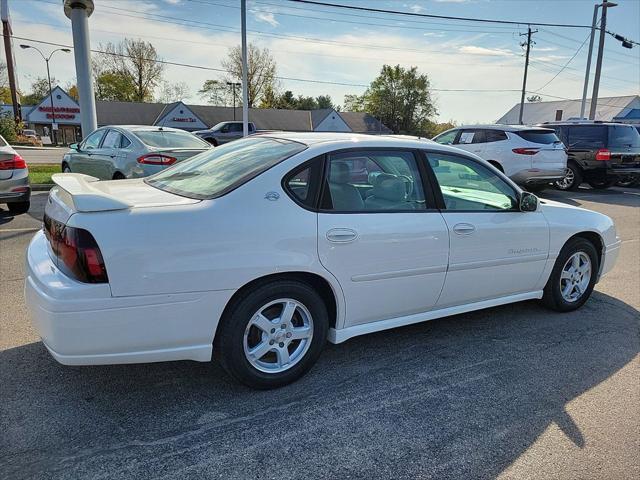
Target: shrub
[{"x": 8, "y": 128}]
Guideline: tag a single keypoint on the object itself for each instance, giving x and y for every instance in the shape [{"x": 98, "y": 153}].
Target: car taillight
[
  {"x": 526, "y": 151},
  {"x": 14, "y": 163},
  {"x": 77, "y": 251},
  {"x": 156, "y": 159},
  {"x": 603, "y": 154}
]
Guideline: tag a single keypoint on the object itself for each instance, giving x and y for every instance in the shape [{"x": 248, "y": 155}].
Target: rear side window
[
  {"x": 235, "y": 127},
  {"x": 544, "y": 137},
  {"x": 495, "y": 136},
  {"x": 621, "y": 136},
  {"x": 169, "y": 139},
  {"x": 587, "y": 136}
]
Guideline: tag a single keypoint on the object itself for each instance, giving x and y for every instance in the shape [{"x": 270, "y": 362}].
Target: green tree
[
  {"x": 131, "y": 62},
  {"x": 431, "y": 129},
  {"x": 324, "y": 101},
  {"x": 399, "y": 97},
  {"x": 354, "y": 103},
  {"x": 8, "y": 128},
  {"x": 305, "y": 103},
  {"x": 39, "y": 90},
  {"x": 115, "y": 86},
  {"x": 215, "y": 92}
]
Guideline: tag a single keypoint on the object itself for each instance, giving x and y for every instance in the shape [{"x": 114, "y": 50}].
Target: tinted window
[
  {"x": 545, "y": 137},
  {"x": 93, "y": 140},
  {"x": 471, "y": 136},
  {"x": 587, "y": 136},
  {"x": 446, "y": 138},
  {"x": 111, "y": 140},
  {"x": 169, "y": 139},
  {"x": 468, "y": 185},
  {"x": 621, "y": 136},
  {"x": 494, "y": 135},
  {"x": 124, "y": 142},
  {"x": 217, "y": 171},
  {"x": 373, "y": 181},
  {"x": 298, "y": 185},
  {"x": 235, "y": 127}
]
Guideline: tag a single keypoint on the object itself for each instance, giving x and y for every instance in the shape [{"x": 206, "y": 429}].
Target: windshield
[
  {"x": 218, "y": 171},
  {"x": 169, "y": 139},
  {"x": 623, "y": 136},
  {"x": 545, "y": 137}
]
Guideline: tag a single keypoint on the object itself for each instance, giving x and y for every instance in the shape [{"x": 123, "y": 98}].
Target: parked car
[
  {"x": 275, "y": 248},
  {"x": 629, "y": 179},
  {"x": 531, "y": 156},
  {"x": 224, "y": 132},
  {"x": 30, "y": 133},
  {"x": 600, "y": 153},
  {"x": 15, "y": 191},
  {"x": 130, "y": 151}
]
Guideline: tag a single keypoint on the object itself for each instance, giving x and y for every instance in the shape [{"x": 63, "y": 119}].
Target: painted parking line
[{"x": 31, "y": 229}]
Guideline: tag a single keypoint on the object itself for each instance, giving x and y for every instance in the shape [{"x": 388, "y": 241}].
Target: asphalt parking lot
[{"x": 509, "y": 392}]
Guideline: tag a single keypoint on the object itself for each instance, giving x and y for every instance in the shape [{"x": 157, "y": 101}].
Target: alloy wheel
[
  {"x": 566, "y": 182},
  {"x": 575, "y": 277},
  {"x": 278, "y": 335}
]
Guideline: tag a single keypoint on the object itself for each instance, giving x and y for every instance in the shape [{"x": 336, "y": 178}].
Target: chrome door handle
[
  {"x": 464, "y": 229},
  {"x": 341, "y": 235}
]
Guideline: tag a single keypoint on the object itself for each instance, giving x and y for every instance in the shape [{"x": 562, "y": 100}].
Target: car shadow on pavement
[
  {"x": 461, "y": 397},
  {"x": 612, "y": 196}
]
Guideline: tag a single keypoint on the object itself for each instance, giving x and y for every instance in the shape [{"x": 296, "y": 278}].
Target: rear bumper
[
  {"x": 16, "y": 188},
  {"x": 82, "y": 324},
  {"x": 538, "y": 175}
]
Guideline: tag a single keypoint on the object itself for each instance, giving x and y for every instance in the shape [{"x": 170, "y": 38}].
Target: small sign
[
  {"x": 466, "y": 137},
  {"x": 54, "y": 126}
]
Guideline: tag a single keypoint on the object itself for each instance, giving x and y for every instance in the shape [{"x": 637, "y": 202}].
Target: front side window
[
  {"x": 471, "y": 136},
  {"x": 217, "y": 171},
  {"x": 169, "y": 139},
  {"x": 446, "y": 138},
  {"x": 93, "y": 140},
  {"x": 235, "y": 128},
  {"x": 467, "y": 185},
  {"x": 367, "y": 181}
]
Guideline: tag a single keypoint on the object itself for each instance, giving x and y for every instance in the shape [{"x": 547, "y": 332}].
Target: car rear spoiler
[{"x": 84, "y": 193}]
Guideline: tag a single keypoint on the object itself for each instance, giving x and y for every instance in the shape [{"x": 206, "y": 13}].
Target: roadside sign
[{"x": 54, "y": 126}]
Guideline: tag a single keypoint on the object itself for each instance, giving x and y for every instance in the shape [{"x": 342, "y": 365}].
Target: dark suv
[{"x": 599, "y": 153}]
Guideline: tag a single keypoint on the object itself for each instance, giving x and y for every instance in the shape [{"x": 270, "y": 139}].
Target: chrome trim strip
[
  {"x": 497, "y": 262},
  {"x": 399, "y": 273}
]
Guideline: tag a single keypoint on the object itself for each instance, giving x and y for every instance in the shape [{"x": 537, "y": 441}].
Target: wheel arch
[
  {"x": 594, "y": 237},
  {"x": 318, "y": 282}
]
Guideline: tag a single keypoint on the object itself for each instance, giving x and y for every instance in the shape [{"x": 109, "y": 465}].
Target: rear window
[
  {"x": 218, "y": 171},
  {"x": 621, "y": 136},
  {"x": 169, "y": 139},
  {"x": 545, "y": 137}
]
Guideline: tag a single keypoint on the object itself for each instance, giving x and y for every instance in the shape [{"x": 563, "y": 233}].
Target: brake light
[
  {"x": 156, "y": 159},
  {"x": 14, "y": 163},
  {"x": 77, "y": 252},
  {"x": 603, "y": 154},
  {"x": 526, "y": 151}
]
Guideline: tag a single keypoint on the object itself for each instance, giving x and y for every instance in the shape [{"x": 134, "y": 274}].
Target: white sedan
[{"x": 261, "y": 250}]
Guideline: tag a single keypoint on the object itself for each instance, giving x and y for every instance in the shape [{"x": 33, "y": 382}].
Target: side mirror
[
  {"x": 528, "y": 202},
  {"x": 74, "y": 146}
]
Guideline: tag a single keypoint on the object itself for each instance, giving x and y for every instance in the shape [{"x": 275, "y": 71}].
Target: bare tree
[
  {"x": 261, "y": 75},
  {"x": 134, "y": 60},
  {"x": 173, "y": 92}
]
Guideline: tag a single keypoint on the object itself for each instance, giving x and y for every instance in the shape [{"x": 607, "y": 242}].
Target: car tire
[
  {"x": 66, "y": 168},
  {"x": 567, "y": 278},
  {"x": 239, "y": 334},
  {"x": 18, "y": 208},
  {"x": 602, "y": 184},
  {"x": 118, "y": 176},
  {"x": 630, "y": 180},
  {"x": 572, "y": 180}
]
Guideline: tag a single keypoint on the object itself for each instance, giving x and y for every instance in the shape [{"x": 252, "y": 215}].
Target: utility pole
[
  {"x": 586, "y": 75},
  {"x": 596, "y": 80},
  {"x": 526, "y": 70},
  {"x": 245, "y": 86},
  {"x": 8, "y": 50}
]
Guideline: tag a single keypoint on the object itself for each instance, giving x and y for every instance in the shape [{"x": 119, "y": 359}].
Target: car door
[
  {"x": 496, "y": 250},
  {"x": 82, "y": 161},
  {"x": 105, "y": 157},
  {"x": 472, "y": 140},
  {"x": 496, "y": 149},
  {"x": 381, "y": 236}
]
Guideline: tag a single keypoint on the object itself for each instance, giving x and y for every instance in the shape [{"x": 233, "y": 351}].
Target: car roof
[
  {"x": 135, "y": 128},
  {"x": 506, "y": 128}
]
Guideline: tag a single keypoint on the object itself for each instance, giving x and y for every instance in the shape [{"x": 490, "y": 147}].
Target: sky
[{"x": 346, "y": 48}]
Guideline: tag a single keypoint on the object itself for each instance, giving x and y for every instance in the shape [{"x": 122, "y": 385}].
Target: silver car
[
  {"x": 14, "y": 180},
  {"x": 131, "y": 151}
]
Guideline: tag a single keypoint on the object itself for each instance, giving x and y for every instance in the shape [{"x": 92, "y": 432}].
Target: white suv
[{"x": 531, "y": 156}]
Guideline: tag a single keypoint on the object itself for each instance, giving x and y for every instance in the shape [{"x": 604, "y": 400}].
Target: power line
[
  {"x": 446, "y": 17},
  {"x": 201, "y": 67},
  {"x": 566, "y": 64}
]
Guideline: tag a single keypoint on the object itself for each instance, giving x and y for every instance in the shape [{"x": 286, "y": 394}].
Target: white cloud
[
  {"x": 416, "y": 8},
  {"x": 266, "y": 17},
  {"x": 486, "y": 52}
]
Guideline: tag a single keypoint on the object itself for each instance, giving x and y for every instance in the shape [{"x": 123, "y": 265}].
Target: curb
[{"x": 41, "y": 187}]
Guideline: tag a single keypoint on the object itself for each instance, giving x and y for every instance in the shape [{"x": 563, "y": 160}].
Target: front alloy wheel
[{"x": 575, "y": 277}]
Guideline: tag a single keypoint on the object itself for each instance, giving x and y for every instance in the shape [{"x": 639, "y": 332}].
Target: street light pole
[
  {"x": 233, "y": 85},
  {"x": 245, "y": 85},
  {"x": 46, "y": 60},
  {"x": 596, "y": 80}
]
